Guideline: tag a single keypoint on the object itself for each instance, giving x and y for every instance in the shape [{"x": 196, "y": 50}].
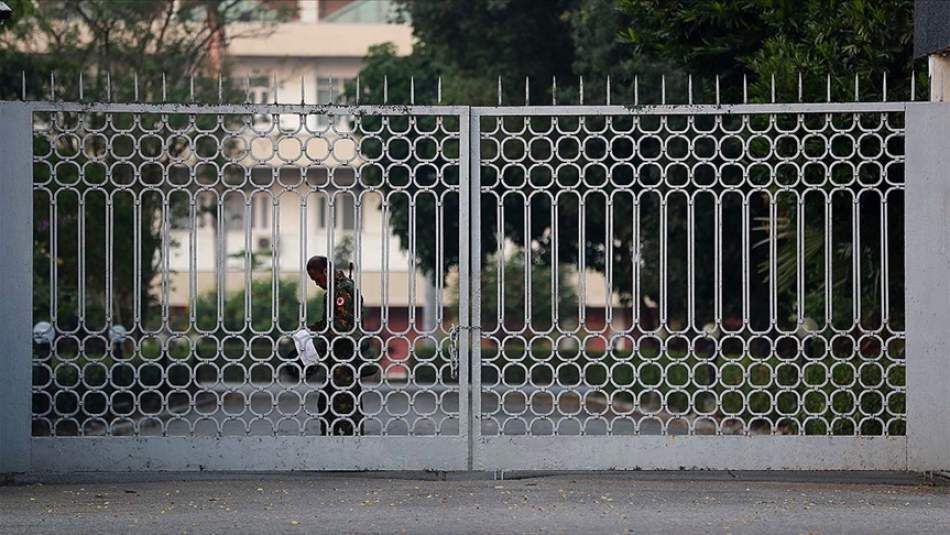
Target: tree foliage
[
  {"x": 46, "y": 47},
  {"x": 472, "y": 43},
  {"x": 761, "y": 38}
]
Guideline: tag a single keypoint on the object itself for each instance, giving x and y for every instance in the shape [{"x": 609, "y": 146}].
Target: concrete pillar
[
  {"x": 16, "y": 286},
  {"x": 939, "y": 66}
]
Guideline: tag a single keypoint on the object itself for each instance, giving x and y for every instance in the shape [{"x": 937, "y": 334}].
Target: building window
[
  {"x": 259, "y": 89},
  {"x": 330, "y": 91},
  {"x": 345, "y": 212},
  {"x": 265, "y": 211},
  {"x": 260, "y": 212},
  {"x": 358, "y": 11},
  {"x": 234, "y": 213}
]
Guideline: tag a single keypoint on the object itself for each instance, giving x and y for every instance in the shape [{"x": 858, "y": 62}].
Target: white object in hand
[{"x": 305, "y": 348}]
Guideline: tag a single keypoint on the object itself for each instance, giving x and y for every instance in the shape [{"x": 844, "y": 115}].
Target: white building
[{"x": 307, "y": 60}]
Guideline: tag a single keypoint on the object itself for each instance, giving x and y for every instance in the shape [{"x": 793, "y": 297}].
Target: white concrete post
[
  {"x": 927, "y": 260},
  {"x": 16, "y": 285},
  {"x": 939, "y": 66}
]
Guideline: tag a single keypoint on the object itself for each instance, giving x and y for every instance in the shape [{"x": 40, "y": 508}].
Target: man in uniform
[{"x": 337, "y": 349}]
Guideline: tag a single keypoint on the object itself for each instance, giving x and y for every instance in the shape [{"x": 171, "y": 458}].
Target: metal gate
[
  {"x": 570, "y": 287},
  {"x": 707, "y": 287}
]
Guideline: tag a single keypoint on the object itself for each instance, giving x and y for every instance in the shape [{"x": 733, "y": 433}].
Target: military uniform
[{"x": 337, "y": 347}]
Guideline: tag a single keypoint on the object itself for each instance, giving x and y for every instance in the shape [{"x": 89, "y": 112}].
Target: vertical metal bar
[
  {"x": 109, "y": 259},
  {"x": 413, "y": 258},
  {"x": 221, "y": 262},
  {"x": 828, "y": 280},
  {"x": 302, "y": 275},
  {"x": 475, "y": 270},
  {"x": 81, "y": 260},
  {"x": 468, "y": 145},
  {"x": 137, "y": 261},
  {"x": 800, "y": 262},
  {"x": 637, "y": 250},
  {"x": 691, "y": 279},
  {"x": 664, "y": 261},
  {"x": 717, "y": 260},
  {"x": 274, "y": 206},
  {"x": 746, "y": 260},
  {"x": 192, "y": 261},
  {"x": 16, "y": 285},
  {"x": 165, "y": 254},
  {"x": 927, "y": 232},
  {"x": 608, "y": 264}
]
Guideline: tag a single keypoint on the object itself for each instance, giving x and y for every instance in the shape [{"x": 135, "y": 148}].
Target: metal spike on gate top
[
  {"x": 191, "y": 88},
  {"x": 799, "y": 86},
  {"x": 135, "y": 87},
  {"x": 357, "y": 99},
  {"x": 689, "y": 88},
  {"x": 247, "y": 89},
  {"x": 499, "y": 90},
  {"x": 527, "y": 88},
  {"x": 23, "y": 84},
  {"x": 663, "y": 89},
  {"x": 608, "y": 90},
  {"x": 554, "y": 90},
  {"x": 52, "y": 86},
  {"x": 275, "y": 88},
  {"x": 438, "y": 91},
  {"x": 745, "y": 88},
  {"x": 412, "y": 90},
  {"x": 636, "y": 90},
  {"x": 582, "y": 90},
  {"x": 773, "y": 88},
  {"x": 80, "y": 86},
  {"x": 857, "y": 89},
  {"x": 828, "y": 87},
  {"x": 109, "y": 86},
  {"x": 385, "y": 89},
  {"x": 164, "y": 88},
  {"x": 302, "y": 92},
  {"x": 885, "y": 86},
  {"x": 220, "y": 89},
  {"x": 717, "y": 90}
]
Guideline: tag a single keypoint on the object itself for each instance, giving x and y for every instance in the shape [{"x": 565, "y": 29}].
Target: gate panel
[
  {"x": 169, "y": 281},
  {"x": 690, "y": 287}
]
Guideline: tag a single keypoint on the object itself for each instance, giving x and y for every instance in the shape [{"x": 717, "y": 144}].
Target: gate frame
[
  {"x": 20, "y": 452},
  {"x": 925, "y": 376}
]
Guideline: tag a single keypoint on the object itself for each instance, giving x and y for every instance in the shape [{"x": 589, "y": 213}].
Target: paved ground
[{"x": 422, "y": 503}]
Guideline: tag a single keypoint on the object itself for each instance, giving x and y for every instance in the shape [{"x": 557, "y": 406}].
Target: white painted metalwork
[
  {"x": 153, "y": 178},
  {"x": 700, "y": 270},
  {"x": 659, "y": 286}
]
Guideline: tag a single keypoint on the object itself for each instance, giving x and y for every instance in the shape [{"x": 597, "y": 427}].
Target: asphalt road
[{"x": 566, "y": 503}]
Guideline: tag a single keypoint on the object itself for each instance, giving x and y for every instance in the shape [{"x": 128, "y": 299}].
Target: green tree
[
  {"x": 515, "y": 295},
  {"x": 111, "y": 44},
  {"x": 762, "y": 38},
  {"x": 48, "y": 47},
  {"x": 843, "y": 42},
  {"x": 471, "y": 44}
]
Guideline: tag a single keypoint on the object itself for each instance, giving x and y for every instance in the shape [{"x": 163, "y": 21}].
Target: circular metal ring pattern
[
  {"x": 713, "y": 273},
  {"x": 181, "y": 223},
  {"x": 706, "y": 279}
]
